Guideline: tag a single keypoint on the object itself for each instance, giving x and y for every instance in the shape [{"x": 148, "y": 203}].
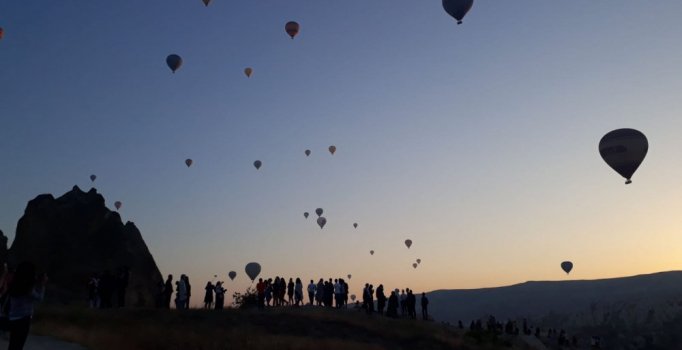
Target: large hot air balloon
[
  {"x": 624, "y": 150},
  {"x": 332, "y": 149},
  {"x": 321, "y": 221},
  {"x": 252, "y": 270},
  {"x": 319, "y": 211},
  {"x": 414, "y": 265},
  {"x": 419, "y": 261},
  {"x": 257, "y": 164},
  {"x": 248, "y": 71},
  {"x": 349, "y": 276},
  {"x": 567, "y": 266},
  {"x": 355, "y": 225},
  {"x": 118, "y": 205},
  {"x": 292, "y": 29},
  {"x": 371, "y": 252},
  {"x": 352, "y": 297},
  {"x": 232, "y": 275},
  {"x": 408, "y": 243},
  {"x": 93, "y": 177},
  {"x": 305, "y": 215},
  {"x": 307, "y": 153},
  {"x": 174, "y": 62},
  {"x": 206, "y": 2},
  {"x": 458, "y": 8},
  {"x": 188, "y": 162}
]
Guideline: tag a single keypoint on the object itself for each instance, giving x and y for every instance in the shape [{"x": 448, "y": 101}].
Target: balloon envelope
[
  {"x": 307, "y": 153},
  {"x": 252, "y": 270},
  {"x": 248, "y": 71},
  {"x": 188, "y": 162},
  {"x": 174, "y": 62},
  {"x": 352, "y": 297},
  {"x": 414, "y": 265},
  {"x": 457, "y": 8},
  {"x": 332, "y": 149},
  {"x": 321, "y": 221},
  {"x": 624, "y": 150},
  {"x": 206, "y": 2},
  {"x": 305, "y": 215},
  {"x": 408, "y": 243},
  {"x": 355, "y": 225},
  {"x": 419, "y": 261},
  {"x": 567, "y": 266},
  {"x": 232, "y": 275},
  {"x": 371, "y": 252},
  {"x": 257, "y": 164},
  {"x": 349, "y": 276},
  {"x": 319, "y": 211},
  {"x": 93, "y": 177},
  {"x": 118, "y": 205},
  {"x": 292, "y": 28}
]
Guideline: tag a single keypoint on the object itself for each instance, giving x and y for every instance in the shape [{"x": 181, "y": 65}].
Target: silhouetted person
[
  {"x": 219, "y": 296},
  {"x": 168, "y": 291},
  {"x": 403, "y": 303},
  {"x": 345, "y": 293},
  {"x": 268, "y": 291},
  {"x": 381, "y": 299},
  {"x": 282, "y": 290},
  {"x": 537, "y": 332},
  {"x": 208, "y": 297},
  {"x": 22, "y": 293},
  {"x": 106, "y": 290},
  {"x": 180, "y": 293},
  {"x": 93, "y": 292},
  {"x": 425, "y": 307},
  {"x": 298, "y": 291},
  {"x": 290, "y": 291},
  {"x": 311, "y": 292},
  {"x": 260, "y": 290},
  {"x": 392, "y": 309},
  {"x": 329, "y": 293},
  {"x": 189, "y": 291},
  {"x": 460, "y": 325},
  {"x": 122, "y": 278},
  {"x": 319, "y": 292},
  {"x": 370, "y": 301}
]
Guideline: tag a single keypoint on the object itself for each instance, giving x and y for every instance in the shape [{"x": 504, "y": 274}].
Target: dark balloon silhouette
[
  {"x": 252, "y": 270},
  {"x": 93, "y": 177},
  {"x": 567, "y": 266},
  {"x": 206, "y": 2},
  {"x": 624, "y": 150},
  {"x": 319, "y": 211},
  {"x": 307, "y": 153},
  {"x": 248, "y": 71},
  {"x": 292, "y": 28},
  {"x": 174, "y": 62},
  {"x": 232, "y": 275},
  {"x": 118, "y": 205},
  {"x": 257, "y": 164},
  {"x": 458, "y": 8},
  {"x": 188, "y": 162},
  {"x": 321, "y": 221},
  {"x": 305, "y": 215}
]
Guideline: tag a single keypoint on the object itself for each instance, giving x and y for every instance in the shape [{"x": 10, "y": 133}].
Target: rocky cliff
[{"x": 75, "y": 236}]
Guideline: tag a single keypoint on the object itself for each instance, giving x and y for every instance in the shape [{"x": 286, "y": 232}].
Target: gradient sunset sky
[{"x": 477, "y": 141}]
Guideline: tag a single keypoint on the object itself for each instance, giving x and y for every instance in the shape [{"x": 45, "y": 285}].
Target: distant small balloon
[
  {"x": 355, "y": 225},
  {"x": 174, "y": 62},
  {"x": 232, "y": 275},
  {"x": 292, "y": 29},
  {"x": 371, "y": 252},
  {"x": 93, "y": 177},
  {"x": 349, "y": 276},
  {"x": 206, "y": 2},
  {"x": 419, "y": 261},
  {"x": 321, "y": 221},
  {"x": 252, "y": 270},
  {"x": 118, "y": 205},
  {"x": 332, "y": 149},
  {"x": 215, "y": 276},
  {"x": 567, "y": 266},
  {"x": 414, "y": 265},
  {"x": 319, "y": 211},
  {"x": 188, "y": 162},
  {"x": 457, "y": 8},
  {"x": 248, "y": 71},
  {"x": 306, "y": 215},
  {"x": 352, "y": 297},
  {"x": 408, "y": 243},
  {"x": 257, "y": 164},
  {"x": 307, "y": 153}
]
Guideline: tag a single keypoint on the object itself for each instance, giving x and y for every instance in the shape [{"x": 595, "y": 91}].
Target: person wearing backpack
[{"x": 18, "y": 306}]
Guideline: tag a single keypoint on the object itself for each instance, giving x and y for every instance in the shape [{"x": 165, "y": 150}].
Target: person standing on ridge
[
  {"x": 381, "y": 299},
  {"x": 168, "y": 292},
  {"x": 208, "y": 298},
  {"x": 260, "y": 290},
  {"x": 311, "y": 292},
  {"x": 425, "y": 307}
]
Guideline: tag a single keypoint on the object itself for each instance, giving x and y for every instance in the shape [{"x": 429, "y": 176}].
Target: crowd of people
[
  {"x": 492, "y": 325},
  {"x": 106, "y": 287}
]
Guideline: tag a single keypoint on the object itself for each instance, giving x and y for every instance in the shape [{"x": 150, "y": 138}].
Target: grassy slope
[{"x": 235, "y": 329}]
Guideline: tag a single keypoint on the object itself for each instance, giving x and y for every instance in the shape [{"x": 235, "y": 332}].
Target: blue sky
[{"x": 477, "y": 141}]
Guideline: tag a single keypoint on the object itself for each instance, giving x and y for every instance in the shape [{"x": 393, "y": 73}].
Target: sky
[{"x": 477, "y": 141}]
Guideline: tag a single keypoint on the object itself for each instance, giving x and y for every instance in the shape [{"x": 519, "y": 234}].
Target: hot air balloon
[
  {"x": 118, "y": 205},
  {"x": 307, "y": 153},
  {"x": 232, "y": 275},
  {"x": 174, "y": 62},
  {"x": 408, "y": 243},
  {"x": 206, "y": 2},
  {"x": 414, "y": 265},
  {"x": 355, "y": 225},
  {"x": 292, "y": 29},
  {"x": 321, "y": 221},
  {"x": 567, "y": 266},
  {"x": 349, "y": 276},
  {"x": 332, "y": 149},
  {"x": 352, "y": 297},
  {"x": 93, "y": 177},
  {"x": 188, "y": 162},
  {"x": 248, "y": 71},
  {"x": 257, "y": 164},
  {"x": 252, "y": 270},
  {"x": 419, "y": 261},
  {"x": 371, "y": 252},
  {"x": 305, "y": 215},
  {"x": 458, "y": 8},
  {"x": 624, "y": 150},
  {"x": 319, "y": 211}
]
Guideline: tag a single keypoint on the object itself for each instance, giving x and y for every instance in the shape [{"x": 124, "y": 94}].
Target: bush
[{"x": 247, "y": 300}]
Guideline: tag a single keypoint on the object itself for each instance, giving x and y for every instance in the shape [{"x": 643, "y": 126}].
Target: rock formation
[{"x": 75, "y": 236}]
